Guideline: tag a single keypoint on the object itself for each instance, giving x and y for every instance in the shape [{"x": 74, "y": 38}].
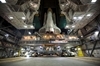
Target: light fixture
[
  {"x": 22, "y": 49},
  {"x": 41, "y": 47},
  {"x": 93, "y": 1},
  {"x": 35, "y": 38},
  {"x": 73, "y": 26},
  {"x": 50, "y": 36},
  {"x": 80, "y": 17},
  {"x": 96, "y": 32},
  {"x": 58, "y": 47},
  {"x": 6, "y": 35},
  {"x": 67, "y": 26},
  {"x": 62, "y": 5},
  {"x": 75, "y": 48},
  {"x": 29, "y": 33},
  {"x": 45, "y": 36},
  {"x": 70, "y": 38},
  {"x": 68, "y": 47},
  {"x": 11, "y": 17},
  {"x": 81, "y": 36},
  {"x": 3, "y": 1},
  {"x": 79, "y": 48},
  {"x": 74, "y": 17},
  {"x": 88, "y": 14},
  {"x": 74, "y": 37},
  {"x": 31, "y": 26},
  {"x": 28, "y": 56},
  {"x": 25, "y": 26},
  {"x": 23, "y": 18}
]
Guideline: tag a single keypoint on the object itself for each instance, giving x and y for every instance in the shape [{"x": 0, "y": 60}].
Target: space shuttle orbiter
[{"x": 49, "y": 26}]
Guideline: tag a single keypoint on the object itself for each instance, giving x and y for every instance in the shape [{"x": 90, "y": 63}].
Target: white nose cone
[{"x": 49, "y": 27}]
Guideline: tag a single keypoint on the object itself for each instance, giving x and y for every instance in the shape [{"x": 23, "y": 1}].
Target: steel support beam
[
  {"x": 1, "y": 23},
  {"x": 87, "y": 49},
  {"x": 84, "y": 43},
  {"x": 93, "y": 49},
  {"x": 98, "y": 25}
]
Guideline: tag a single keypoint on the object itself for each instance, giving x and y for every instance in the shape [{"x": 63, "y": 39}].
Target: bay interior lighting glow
[
  {"x": 41, "y": 47},
  {"x": 45, "y": 36},
  {"x": 93, "y": 1},
  {"x": 6, "y": 35},
  {"x": 88, "y": 14},
  {"x": 11, "y": 17},
  {"x": 75, "y": 48},
  {"x": 67, "y": 26},
  {"x": 70, "y": 38},
  {"x": 25, "y": 26},
  {"x": 58, "y": 47},
  {"x": 3, "y": 1},
  {"x": 67, "y": 47},
  {"x": 23, "y": 18},
  {"x": 81, "y": 36},
  {"x": 96, "y": 32},
  {"x": 50, "y": 36},
  {"x": 74, "y": 17},
  {"x": 73, "y": 26},
  {"x": 80, "y": 17},
  {"x": 31, "y": 26},
  {"x": 79, "y": 48},
  {"x": 62, "y": 5},
  {"x": 29, "y": 33},
  {"x": 27, "y": 56}
]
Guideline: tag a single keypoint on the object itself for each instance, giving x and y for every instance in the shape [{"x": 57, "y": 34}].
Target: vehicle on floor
[
  {"x": 67, "y": 54},
  {"x": 15, "y": 54}
]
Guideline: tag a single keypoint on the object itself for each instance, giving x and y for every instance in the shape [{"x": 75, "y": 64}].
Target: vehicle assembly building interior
[{"x": 49, "y": 33}]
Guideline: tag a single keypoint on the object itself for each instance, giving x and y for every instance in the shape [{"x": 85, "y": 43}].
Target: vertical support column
[
  {"x": 19, "y": 51},
  {"x": 99, "y": 30},
  {"x": 87, "y": 49},
  {"x": 93, "y": 48},
  {"x": 1, "y": 23},
  {"x": 98, "y": 25}
]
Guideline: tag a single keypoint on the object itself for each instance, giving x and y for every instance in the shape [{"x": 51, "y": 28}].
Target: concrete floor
[{"x": 49, "y": 61}]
